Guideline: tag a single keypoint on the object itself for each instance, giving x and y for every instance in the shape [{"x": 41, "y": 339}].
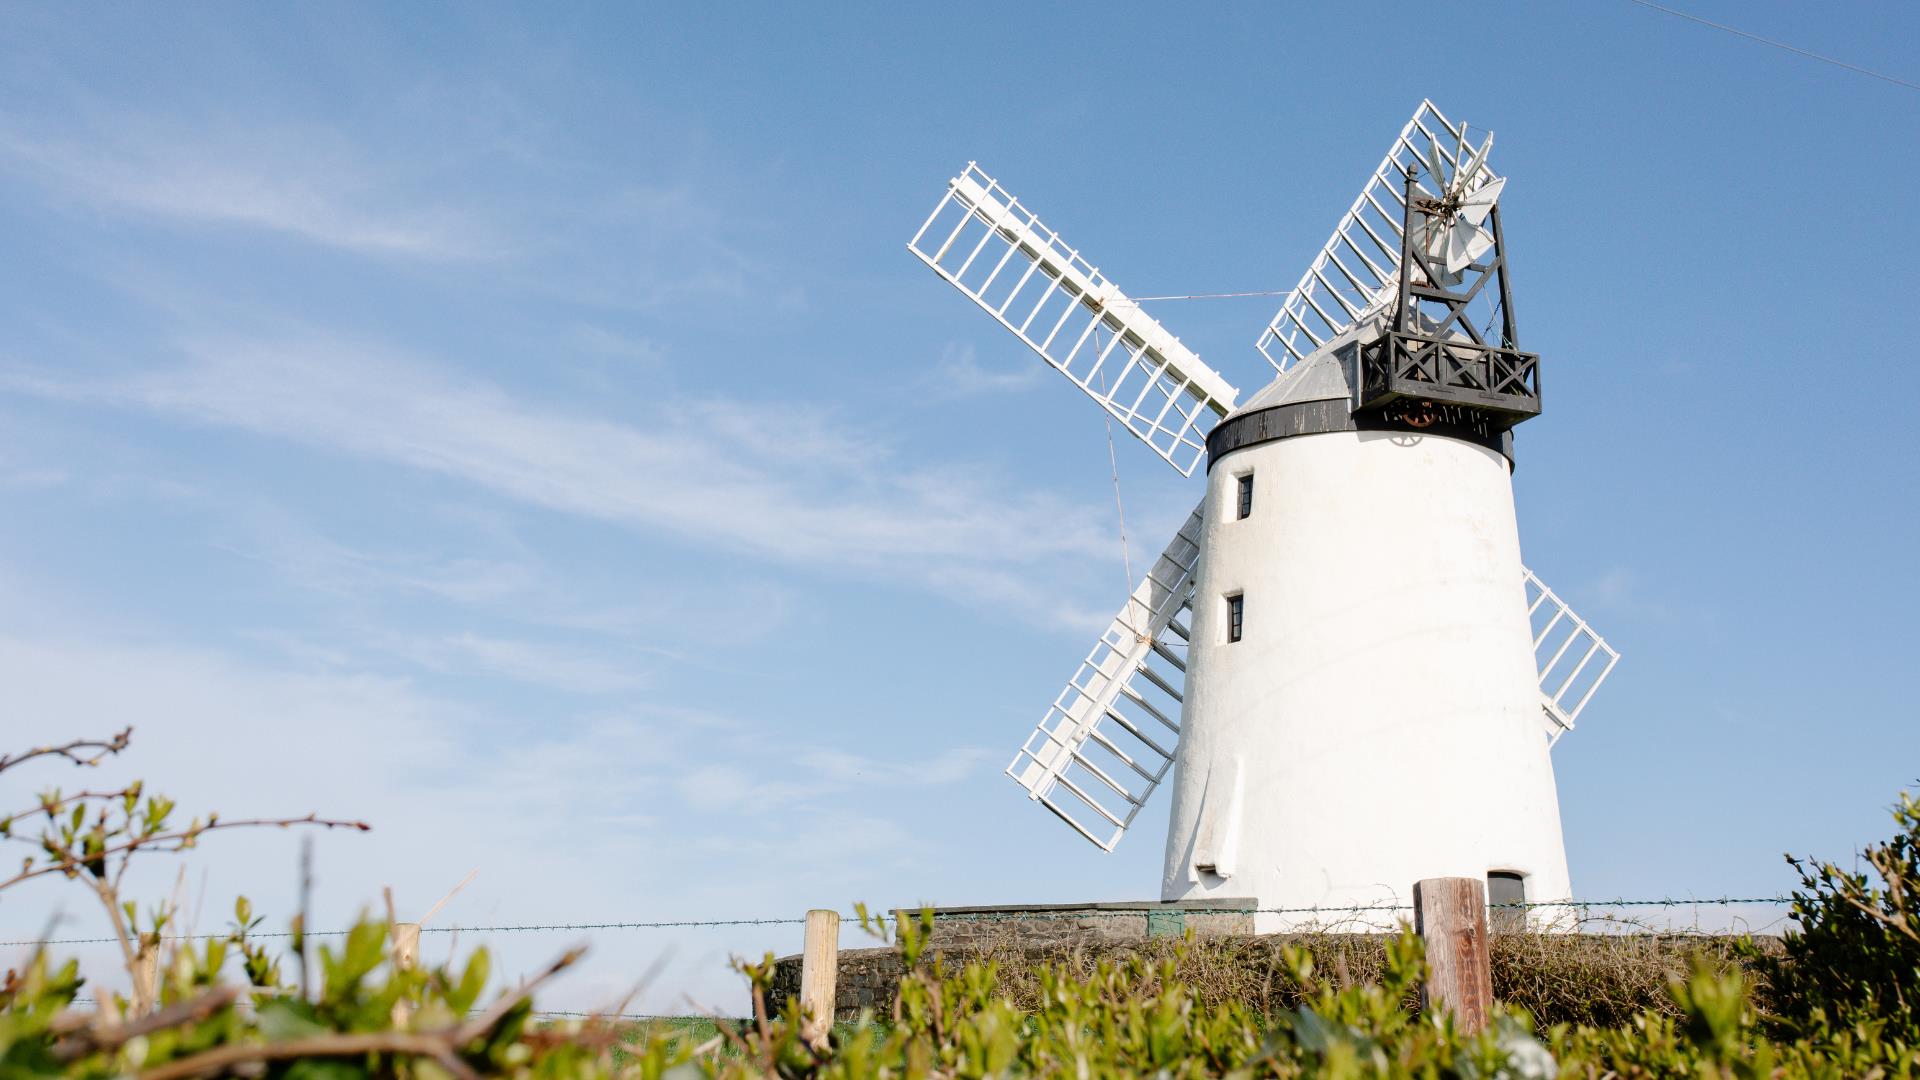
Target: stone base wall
[
  {"x": 1601, "y": 980},
  {"x": 1072, "y": 924},
  {"x": 868, "y": 977}
]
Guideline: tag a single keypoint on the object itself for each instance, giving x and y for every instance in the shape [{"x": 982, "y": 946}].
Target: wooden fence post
[
  {"x": 819, "y": 968},
  {"x": 1450, "y": 914},
  {"x": 406, "y": 957},
  {"x": 146, "y": 976}
]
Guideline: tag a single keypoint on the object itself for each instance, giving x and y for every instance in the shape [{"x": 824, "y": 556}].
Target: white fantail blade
[
  {"x": 1466, "y": 242},
  {"x": 1358, "y": 269},
  {"x": 1450, "y": 247},
  {"x": 1470, "y": 173},
  {"x": 982, "y": 241},
  {"x": 1437, "y": 168},
  {"x": 1572, "y": 657},
  {"x": 1109, "y": 738},
  {"x": 1475, "y": 205}
]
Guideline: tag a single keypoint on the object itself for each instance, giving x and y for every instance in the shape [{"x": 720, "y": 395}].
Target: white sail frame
[
  {"x": 1564, "y": 648},
  {"x": 1353, "y": 272},
  {"x": 1097, "y": 779},
  {"x": 995, "y": 251},
  {"x": 1108, "y": 740}
]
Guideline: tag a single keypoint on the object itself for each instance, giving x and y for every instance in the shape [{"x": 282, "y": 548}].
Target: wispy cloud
[
  {"x": 560, "y": 667},
  {"x": 819, "y": 775},
  {"x": 945, "y": 767},
  {"x": 1623, "y": 592},
  {"x": 600, "y": 341},
  {"x": 657, "y": 245},
  {"x": 307, "y": 184},
  {"x": 30, "y": 478},
  {"x": 545, "y": 625},
  {"x": 959, "y": 374},
  {"x": 773, "y": 479},
  {"x": 644, "y": 811},
  {"x": 310, "y": 560}
]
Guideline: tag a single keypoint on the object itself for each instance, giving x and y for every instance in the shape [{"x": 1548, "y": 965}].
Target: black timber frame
[{"x": 1415, "y": 372}]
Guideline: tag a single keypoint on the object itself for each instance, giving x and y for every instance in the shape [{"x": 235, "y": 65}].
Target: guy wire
[{"x": 1113, "y": 464}]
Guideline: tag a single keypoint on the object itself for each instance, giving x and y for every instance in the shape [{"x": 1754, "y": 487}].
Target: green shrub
[
  {"x": 1596, "y": 979},
  {"x": 1856, "y": 957},
  {"x": 1845, "y": 985}
]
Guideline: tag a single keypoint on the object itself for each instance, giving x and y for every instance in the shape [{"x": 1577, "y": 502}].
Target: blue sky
[{"x": 523, "y": 428}]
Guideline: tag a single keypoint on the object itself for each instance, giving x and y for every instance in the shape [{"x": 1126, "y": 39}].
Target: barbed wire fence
[
  {"x": 1370, "y": 918},
  {"x": 1341, "y": 910}
]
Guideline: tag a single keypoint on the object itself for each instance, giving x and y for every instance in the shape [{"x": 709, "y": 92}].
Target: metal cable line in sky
[{"x": 1797, "y": 51}]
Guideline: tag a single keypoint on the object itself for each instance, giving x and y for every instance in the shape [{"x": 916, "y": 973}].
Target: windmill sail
[
  {"x": 1362, "y": 258},
  {"x": 1573, "y": 659},
  {"x": 981, "y": 240},
  {"x": 1110, "y": 736}
]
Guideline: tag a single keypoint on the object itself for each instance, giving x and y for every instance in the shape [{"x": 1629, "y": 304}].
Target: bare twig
[
  {"x": 53, "y": 800},
  {"x": 435, "y": 909},
  {"x": 710, "y": 1045},
  {"x": 222, "y": 1059},
  {"x": 480, "y": 1025},
  {"x": 306, "y": 897},
  {"x": 86, "y": 867},
  {"x": 82, "y": 752},
  {"x": 726, "y": 1031},
  {"x": 88, "y": 1040},
  {"x": 178, "y": 840},
  {"x": 1902, "y": 926}
]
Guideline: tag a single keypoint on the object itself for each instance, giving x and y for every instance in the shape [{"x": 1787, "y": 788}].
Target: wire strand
[
  {"x": 983, "y": 916},
  {"x": 1210, "y": 295},
  {"x": 1794, "y": 49},
  {"x": 1113, "y": 464}
]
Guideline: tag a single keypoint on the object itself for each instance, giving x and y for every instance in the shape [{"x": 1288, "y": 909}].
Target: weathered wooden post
[
  {"x": 819, "y": 968},
  {"x": 406, "y": 957},
  {"x": 406, "y": 945},
  {"x": 1450, "y": 914},
  {"x": 146, "y": 976}
]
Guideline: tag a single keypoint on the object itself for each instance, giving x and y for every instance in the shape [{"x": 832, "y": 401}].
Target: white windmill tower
[{"x": 1340, "y": 655}]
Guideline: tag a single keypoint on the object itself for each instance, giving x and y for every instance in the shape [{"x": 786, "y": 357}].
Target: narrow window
[
  {"x": 1246, "y": 495},
  {"x": 1506, "y": 892},
  {"x": 1236, "y": 614}
]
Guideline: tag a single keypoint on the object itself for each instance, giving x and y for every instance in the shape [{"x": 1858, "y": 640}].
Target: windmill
[{"x": 1340, "y": 657}]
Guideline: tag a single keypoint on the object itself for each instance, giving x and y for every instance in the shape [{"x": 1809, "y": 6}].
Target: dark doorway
[{"x": 1506, "y": 891}]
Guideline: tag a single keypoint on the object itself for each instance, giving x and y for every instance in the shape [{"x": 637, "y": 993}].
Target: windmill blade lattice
[
  {"x": 1354, "y": 272},
  {"x": 983, "y": 242},
  {"x": 1566, "y": 649},
  {"x": 1109, "y": 738}
]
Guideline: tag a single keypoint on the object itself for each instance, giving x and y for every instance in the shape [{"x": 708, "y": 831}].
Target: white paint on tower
[{"x": 1379, "y": 719}]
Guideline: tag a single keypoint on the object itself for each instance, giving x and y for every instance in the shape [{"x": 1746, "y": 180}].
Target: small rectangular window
[
  {"x": 1246, "y": 495},
  {"x": 1236, "y": 615},
  {"x": 1506, "y": 893}
]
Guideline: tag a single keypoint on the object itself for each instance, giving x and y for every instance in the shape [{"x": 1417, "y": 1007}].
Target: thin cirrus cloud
[
  {"x": 960, "y": 374},
  {"x": 603, "y": 241},
  {"x": 563, "y": 823},
  {"x": 538, "y": 663},
  {"x": 301, "y": 184},
  {"x": 495, "y": 575},
  {"x": 773, "y": 480}
]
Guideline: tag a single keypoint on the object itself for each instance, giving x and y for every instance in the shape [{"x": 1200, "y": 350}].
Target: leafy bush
[
  {"x": 350, "y": 1010},
  {"x": 1596, "y": 979},
  {"x": 1857, "y": 956}
]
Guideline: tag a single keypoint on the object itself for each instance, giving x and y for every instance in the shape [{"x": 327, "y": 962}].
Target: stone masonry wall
[{"x": 868, "y": 977}]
